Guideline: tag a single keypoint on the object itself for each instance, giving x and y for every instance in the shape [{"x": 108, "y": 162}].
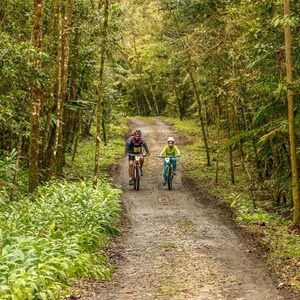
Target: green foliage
[
  {"x": 7, "y": 171},
  {"x": 7, "y": 166},
  {"x": 47, "y": 243},
  {"x": 109, "y": 154}
]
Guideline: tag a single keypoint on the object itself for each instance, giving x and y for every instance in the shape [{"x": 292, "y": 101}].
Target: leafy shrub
[
  {"x": 48, "y": 242},
  {"x": 7, "y": 171}
]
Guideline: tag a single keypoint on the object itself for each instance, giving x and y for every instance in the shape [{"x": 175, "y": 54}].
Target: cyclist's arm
[
  {"x": 176, "y": 150},
  {"x": 163, "y": 151},
  {"x": 127, "y": 146},
  {"x": 145, "y": 146}
]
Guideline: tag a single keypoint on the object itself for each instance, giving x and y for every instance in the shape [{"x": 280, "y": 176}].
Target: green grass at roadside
[
  {"x": 83, "y": 165},
  {"x": 284, "y": 253}
]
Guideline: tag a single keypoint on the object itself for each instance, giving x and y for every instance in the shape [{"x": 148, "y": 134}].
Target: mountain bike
[
  {"x": 170, "y": 171},
  {"x": 137, "y": 170}
]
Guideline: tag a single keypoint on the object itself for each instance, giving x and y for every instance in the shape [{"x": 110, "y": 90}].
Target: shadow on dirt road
[{"x": 174, "y": 245}]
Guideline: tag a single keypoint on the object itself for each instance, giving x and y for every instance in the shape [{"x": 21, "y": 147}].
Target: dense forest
[
  {"x": 69, "y": 69},
  {"x": 232, "y": 64}
]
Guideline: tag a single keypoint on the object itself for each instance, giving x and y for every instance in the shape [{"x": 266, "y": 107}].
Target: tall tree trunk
[
  {"x": 69, "y": 114},
  {"x": 13, "y": 188},
  {"x": 53, "y": 166},
  {"x": 48, "y": 97},
  {"x": 53, "y": 14},
  {"x": 142, "y": 84},
  {"x": 229, "y": 121},
  {"x": 66, "y": 55},
  {"x": 291, "y": 119},
  {"x": 139, "y": 111},
  {"x": 218, "y": 141},
  {"x": 153, "y": 96},
  {"x": 36, "y": 101},
  {"x": 177, "y": 101},
  {"x": 198, "y": 103},
  {"x": 100, "y": 92},
  {"x": 46, "y": 134},
  {"x": 78, "y": 134}
]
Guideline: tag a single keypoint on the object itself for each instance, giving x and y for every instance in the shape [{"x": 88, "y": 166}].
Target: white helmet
[{"x": 171, "y": 139}]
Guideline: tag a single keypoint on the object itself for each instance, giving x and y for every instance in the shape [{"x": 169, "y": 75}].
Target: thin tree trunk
[
  {"x": 66, "y": 55},
  {"x": 100, "y": 93},
  {"x": 103, "y": 125},
  {"x": 46, "y": 135},
  {"x": 218, "y": 141},
  {"x": 53, "y": 166},
  {"x": 153, "y": 97},
  {"x": 291, "y": 119},
  {"x": 137, "y": 101},
  {"x": 13, "y": 188},
  {"x": 230, "y": 147},
  {"x": 177, "y": 101},
  {"x": 45, "y": 152},
  {"x": 197, "y": 97},
  {"x": 70, "y": 114},
  {"x": 53, "y": 14},
  {"x": 142, "y": 84},
  {"x": 36, "y": 101},
  {"x": 78, "y": 134}
]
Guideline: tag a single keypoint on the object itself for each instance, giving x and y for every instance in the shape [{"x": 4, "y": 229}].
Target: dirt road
[{"x": 175, "y": 245}]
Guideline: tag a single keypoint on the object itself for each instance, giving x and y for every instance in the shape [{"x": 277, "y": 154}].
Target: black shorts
[{"x": 131, "y": 157}]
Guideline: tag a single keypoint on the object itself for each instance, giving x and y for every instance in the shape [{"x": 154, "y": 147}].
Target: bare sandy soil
[{"x": 178, "y": 244}]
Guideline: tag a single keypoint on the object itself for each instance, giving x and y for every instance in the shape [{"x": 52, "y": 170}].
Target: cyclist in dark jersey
[{"x": 135, "y": 145}]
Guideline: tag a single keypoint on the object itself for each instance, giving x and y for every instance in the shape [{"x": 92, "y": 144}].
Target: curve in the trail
[{"x": 174, "y": 246}]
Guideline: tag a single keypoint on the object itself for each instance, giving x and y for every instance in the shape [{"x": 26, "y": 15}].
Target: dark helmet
[{"x": 137, "y": 131}]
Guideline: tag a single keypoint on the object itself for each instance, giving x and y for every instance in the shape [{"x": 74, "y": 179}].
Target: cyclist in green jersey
[{"x": 170, "y": 150}]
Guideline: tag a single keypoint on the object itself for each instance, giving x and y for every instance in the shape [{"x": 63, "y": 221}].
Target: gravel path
[{"x": 175, "y": 245}]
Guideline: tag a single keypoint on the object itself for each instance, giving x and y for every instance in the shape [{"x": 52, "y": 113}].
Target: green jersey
[{"x": 170, "y": 151}]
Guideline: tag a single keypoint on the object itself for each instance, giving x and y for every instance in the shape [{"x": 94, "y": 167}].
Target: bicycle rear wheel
[
  {"x": 137, "y": 178},
  {"x": 169, "y": 177}
]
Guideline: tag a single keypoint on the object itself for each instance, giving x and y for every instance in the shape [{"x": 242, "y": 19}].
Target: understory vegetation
[
  {"x": 251, "y": 202},
  {"x": 49, "y": 242},
  {"x": 51, "y": 239}
]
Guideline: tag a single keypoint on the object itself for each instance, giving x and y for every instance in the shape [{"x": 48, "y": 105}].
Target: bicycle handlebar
[{"x": 164, "y": 156}]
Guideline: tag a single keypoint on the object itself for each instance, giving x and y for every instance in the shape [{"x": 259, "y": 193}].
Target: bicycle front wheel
[
  {"x": 137, "y": 178},
  {"x": 169, "y": 177}
]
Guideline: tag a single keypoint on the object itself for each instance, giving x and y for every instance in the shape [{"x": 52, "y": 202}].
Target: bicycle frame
[
  {"x": 136, "y": 176},
  {"x": 169, "y": 171}
]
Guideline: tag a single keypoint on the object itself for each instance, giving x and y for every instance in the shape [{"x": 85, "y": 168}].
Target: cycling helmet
[
  {"x": 137, "y": 131},
  {"x": 171, "y": 139}
]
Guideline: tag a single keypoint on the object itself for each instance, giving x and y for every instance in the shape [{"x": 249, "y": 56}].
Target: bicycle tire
[
  {"x": 137, "y": 178},
  {"x": 133, "y": 177},
  {"x": 169, "y": 177}
]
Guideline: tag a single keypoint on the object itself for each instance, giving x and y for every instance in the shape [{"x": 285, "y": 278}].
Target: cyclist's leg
[
  {"x": 173, "y": 160},
  {"x": 130, "y": 168},
  {"x": 165, "y": 171},
  {"x": 141, "y": 161},
  {"x": 141, "y": 165}
]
